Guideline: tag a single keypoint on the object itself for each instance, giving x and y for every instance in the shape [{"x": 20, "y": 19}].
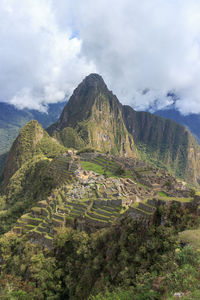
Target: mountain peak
[
  {"x": 95, "y": 114},
  {"x": 82, "y": 100},
  {"x": 91, "y": 82},
  {"x": 23, "y": 147},
  {"x": 94, "y": 77},
  {"x": 94, "y": 80}
]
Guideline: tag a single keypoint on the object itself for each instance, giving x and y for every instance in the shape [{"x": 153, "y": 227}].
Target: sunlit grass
[
  {"x": 167, "y": 198},
  {"x": 99, "y": 169},
  {"x": 192, "y": 237}
]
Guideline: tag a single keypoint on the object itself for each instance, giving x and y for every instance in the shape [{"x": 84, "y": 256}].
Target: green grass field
[
  {"x": 163, "y": 196},
  {"x": 90, "y": 166}
]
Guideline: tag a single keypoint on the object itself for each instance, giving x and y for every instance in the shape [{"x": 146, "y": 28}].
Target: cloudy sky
[{"x": 143, "y": 49}]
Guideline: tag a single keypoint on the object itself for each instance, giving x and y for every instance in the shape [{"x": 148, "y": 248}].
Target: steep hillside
[
  {"x": 94, "y": 114},
  {"x": 191, "y": 121},
  {"x": 164, "y": 143},
  {"x": 23, "y": 147},
  {"x": 94, "y": 118},
  {"x": 31, "y": 172},
  {"x": 13, "y": 119}
]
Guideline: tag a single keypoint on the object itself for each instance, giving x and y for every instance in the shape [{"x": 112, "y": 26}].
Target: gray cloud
[{"x": 48, "y": 46}]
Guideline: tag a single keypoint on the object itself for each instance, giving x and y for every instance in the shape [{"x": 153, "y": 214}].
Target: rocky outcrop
[
  {"x": 165, "y": 143},
  {"x": 95, "y": 114}
]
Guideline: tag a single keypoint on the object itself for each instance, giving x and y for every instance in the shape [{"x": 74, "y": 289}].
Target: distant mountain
[
  {"x": 95, "y": 117},
  {"x": 191, "y": 121},
  {"x": 13, "y": 119}
]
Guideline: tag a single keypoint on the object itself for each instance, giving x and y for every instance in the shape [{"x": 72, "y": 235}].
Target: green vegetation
[
  {"x": 69, "y": 138},
  {"x": 182, "y": 277},
  {"x": 192, "y": 237},
  {"x": 171, "y": 152},
  {"x": 118, "y": 294},
  {"x": 179, "y": 199},
  {"x": 94, "y": 118},
  {"x": 32, "y": 141},
  {"x": 49, "y": 147},
  {"x": 106, "y": 132},
  {"x": 126, "y": 261},
  {"x": 86, "y": 150},
  {"x": 35, "y": 166},
  {"x": 164, "y": 143},
  {"x": 106, "y": 171},
  {"x": 75, "y": 235},
  {"x": 162, "y": 194},
  {"x": 90, "y": 166},
  {"x": 13, "y": 119},
  {"x": 3, "y": 158}
]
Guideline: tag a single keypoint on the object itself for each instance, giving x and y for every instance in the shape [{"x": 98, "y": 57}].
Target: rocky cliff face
[
  {"x": 191, "y": 121},
  {"x": 95, "y": 114},
  {"x": 99, "y": 120},
  {"x": 165, "y": 143},
  {"x": 80, "y": 104}
]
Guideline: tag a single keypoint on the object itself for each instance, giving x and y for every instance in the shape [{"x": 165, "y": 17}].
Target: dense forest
[{"x": 126, "y": 261}]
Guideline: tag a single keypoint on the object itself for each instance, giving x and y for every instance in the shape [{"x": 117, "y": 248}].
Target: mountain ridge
[
  {"x": 190, "y": 121},
  {"x": 13, "y": 119},
  {"x": 163, "y": 142},
  {"x": 95, "y": 114}
]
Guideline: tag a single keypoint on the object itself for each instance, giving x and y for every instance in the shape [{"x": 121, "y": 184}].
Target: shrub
[{"x": 120, "y": 171}]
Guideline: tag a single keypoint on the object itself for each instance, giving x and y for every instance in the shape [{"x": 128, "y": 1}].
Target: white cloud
[
  {"x": 40, "y": 62},
  {"x": 152, "y": 44},
  {"x": 48, "y": 46}
]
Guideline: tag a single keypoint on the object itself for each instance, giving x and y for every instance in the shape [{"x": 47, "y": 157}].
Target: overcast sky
[{"x": 143, "y": 49}]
